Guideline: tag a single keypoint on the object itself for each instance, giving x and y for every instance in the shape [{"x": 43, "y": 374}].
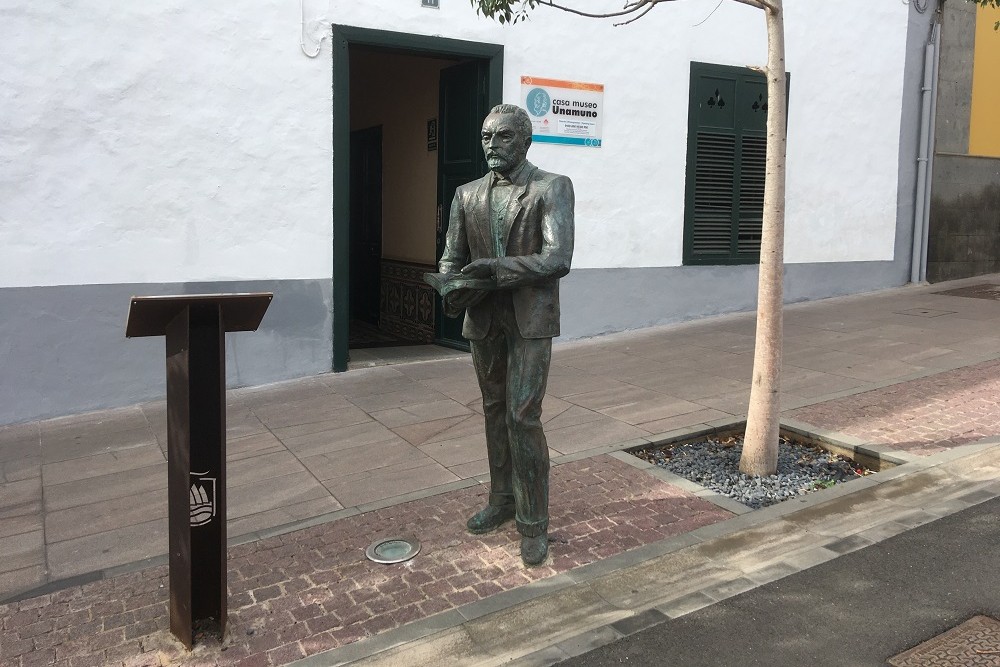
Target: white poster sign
[{"x": 564, "y": 112}]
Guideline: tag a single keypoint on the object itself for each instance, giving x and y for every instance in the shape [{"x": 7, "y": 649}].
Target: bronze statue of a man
[{"x": 514, "y": 229}]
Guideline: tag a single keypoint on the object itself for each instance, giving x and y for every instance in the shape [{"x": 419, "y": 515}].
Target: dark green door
[
  {"x": 463, "y": 106},
  {"x": 366, "y": 224}
]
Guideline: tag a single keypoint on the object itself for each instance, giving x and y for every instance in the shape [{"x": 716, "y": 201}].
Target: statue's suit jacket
[{"x": 538, "y": 230}]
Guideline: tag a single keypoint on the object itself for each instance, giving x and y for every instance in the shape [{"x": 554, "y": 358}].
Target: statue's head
[{"x": 506, "y": 137}]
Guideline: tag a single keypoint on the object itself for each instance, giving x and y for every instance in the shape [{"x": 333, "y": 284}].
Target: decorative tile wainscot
[{"x": 406, "y": 302}]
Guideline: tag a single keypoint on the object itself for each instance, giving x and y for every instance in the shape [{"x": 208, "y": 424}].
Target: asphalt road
[{"x": 856, "y": 610}]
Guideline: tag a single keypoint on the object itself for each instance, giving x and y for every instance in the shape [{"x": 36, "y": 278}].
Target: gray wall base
[
  {"x": 599, "y": 301},
  {"x": 63, "y": 349}
]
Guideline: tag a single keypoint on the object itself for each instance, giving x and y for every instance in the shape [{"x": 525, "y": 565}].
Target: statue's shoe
[
  {"x": 534, "y": 549},
  {"x": 490, "y": 518}
]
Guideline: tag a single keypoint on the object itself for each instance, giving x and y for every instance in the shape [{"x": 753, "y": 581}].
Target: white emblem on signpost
[{"x": 202, "y": 499}]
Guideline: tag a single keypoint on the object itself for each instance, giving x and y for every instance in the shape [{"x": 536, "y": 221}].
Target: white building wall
[
  {"x": 181, "y": 141},
  {"x": 180, "y": 146},
  {"x": 161, "y": 142}
]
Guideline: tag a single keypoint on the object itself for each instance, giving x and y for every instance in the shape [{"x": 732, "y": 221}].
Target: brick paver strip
[
  {"x": 312, "y": 590},
  {"x": 975, "y": 642},
  {"x": 921, "y": 416}
]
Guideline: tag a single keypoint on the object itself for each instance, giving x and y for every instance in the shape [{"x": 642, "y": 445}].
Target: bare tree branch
[
  {"x": 759, "y": 4},
  {"x": 630, "y": 8},
  {"x": 637, "y": 17},
  {"x": 711, "y": 14},
  {"x": 643, "y": 7}
]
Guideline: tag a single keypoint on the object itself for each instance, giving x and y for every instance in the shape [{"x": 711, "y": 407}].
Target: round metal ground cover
[{"x": 394, "y": 550}]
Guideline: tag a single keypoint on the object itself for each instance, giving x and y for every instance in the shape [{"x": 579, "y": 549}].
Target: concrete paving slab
[
  {"x": 603, "y": 399},
  {"x": 462, "y": 388},
  {"x": 574, "y": 416},
  {"x": 581, "y": 437},
  {"x": 250, "y": 446},
  {"x": 106, "y": 515},
  {"x": 289, "y": 391},
  {"x": 685, "y": 604},
  {"x": 262, "y": 521},
  {"x": 733, "y": 403},
  {"x": 97, "y": 422},
  {"x": 18, "y": 524},
  {"x": 272, "y": 493},
  {"x": 67, "y": 447},
  {"x": 397, "y": 399},
  {"x": 365, "y": 381},
  {"x": 347, "y": 462},
  {"x": 589, "y": 640},
  {"x": 421, "y": 412},
  {"x": 387, "y": 482},
  {"x": 689, "y": 421},
  {"x": 453, "y": 647},
  {"x": 100, "y": 488},
  {"x": 114, "y": 547},
  {"x": 305, "y": 411},
  {"x": 334, "y": 435},
  {"x": 261, "y": 467},
  {"x": 19, "y": 433},
  {"x": 19, "y": 494},
  {"x": 421, "y": 432},
  {"x": 18, "y": 451},
  {"x": 473, "y": 469},
  {"x": 102, "y": 464},
  {"x": 737, "y": 367},
  {"x": 22, "y": 550},
  {"x": 638, "y": 367},
  {"x": 451, "y": 453},
  {"x": 548, "y": 620},
  {"x": 653, "y": 582},
  {"x": 563, "y": 386},
  {"x": 650, "y": 410},
  {"x": 711, "y": 362},
  {"x": 460, "y": 365}
]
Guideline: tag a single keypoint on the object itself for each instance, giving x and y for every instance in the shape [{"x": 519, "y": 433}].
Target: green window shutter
[{"x": 724, "y": 193}]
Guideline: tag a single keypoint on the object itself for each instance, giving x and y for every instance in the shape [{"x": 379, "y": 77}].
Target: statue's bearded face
[{"x": 503, "y": 143}]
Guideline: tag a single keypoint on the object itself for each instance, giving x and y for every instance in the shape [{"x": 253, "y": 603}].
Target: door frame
[{"x": 342, "y": 37}]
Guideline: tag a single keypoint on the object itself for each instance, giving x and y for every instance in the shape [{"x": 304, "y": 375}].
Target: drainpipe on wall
[
  {"x": 921, "y": 216},
  {"x": 936, "y": 38}
]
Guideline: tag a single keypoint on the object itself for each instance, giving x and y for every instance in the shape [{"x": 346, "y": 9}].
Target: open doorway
[
  {"x": 394, "y": 169},
  {"x": 413, "y": 104}
]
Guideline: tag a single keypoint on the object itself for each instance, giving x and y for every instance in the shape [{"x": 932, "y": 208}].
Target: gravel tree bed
[{"x": 715, "y": 463}]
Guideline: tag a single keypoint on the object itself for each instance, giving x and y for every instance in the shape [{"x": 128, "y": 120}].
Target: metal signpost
[{"x": 195, "y": 326}]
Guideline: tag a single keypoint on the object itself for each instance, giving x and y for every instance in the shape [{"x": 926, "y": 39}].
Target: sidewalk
[{"x": 320, "y": 467}]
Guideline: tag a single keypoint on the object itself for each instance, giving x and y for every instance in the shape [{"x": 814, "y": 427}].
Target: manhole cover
[
  {"x": 925, "y": 312},
  {"x": 980, "y": 291},
  {"x": 975, "y": 642},
  {"x": 394, "y": 550}
]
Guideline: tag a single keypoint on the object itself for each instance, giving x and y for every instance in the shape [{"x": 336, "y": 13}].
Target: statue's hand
[
  {"x": 480, "y": 268},
  {"x": 461, "y": 299}
]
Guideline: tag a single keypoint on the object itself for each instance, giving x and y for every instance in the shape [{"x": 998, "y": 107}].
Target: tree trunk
[{"x": 760, "y": 446}]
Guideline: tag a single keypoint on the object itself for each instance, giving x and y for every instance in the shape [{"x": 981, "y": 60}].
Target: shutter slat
[
  {"x": 713, "y": 193},
  {"x": 752, "y": 172}
]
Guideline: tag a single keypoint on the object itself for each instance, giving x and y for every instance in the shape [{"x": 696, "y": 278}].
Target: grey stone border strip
[{"x": 825, "y": 548}]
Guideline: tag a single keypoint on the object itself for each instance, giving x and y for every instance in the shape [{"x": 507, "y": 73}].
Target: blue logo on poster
[{"x": 538, "y": 102}]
